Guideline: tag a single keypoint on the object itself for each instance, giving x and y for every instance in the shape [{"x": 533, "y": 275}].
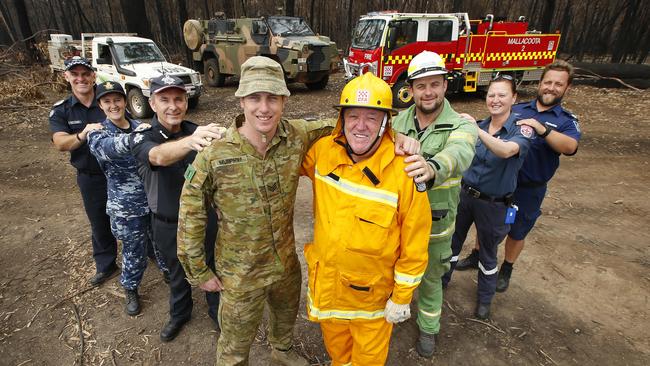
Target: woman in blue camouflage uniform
[{"x": 127, "y": 202}]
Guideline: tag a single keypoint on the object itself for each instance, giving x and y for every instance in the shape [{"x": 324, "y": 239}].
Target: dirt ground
[{"x": 579, "y": 293}]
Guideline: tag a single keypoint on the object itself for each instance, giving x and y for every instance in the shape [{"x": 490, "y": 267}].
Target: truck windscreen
[
  {"x": 133, "y": 53},
  {"x": 367, "y": 34}
]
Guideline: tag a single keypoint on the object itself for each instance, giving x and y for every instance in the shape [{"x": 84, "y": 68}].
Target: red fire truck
[{"x": 474, "y": 50}]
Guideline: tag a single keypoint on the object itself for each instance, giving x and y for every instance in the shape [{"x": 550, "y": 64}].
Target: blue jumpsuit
[{"x": 127, "y": 202}]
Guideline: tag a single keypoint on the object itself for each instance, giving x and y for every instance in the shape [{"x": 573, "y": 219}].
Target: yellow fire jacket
[{"x": 371, "y": 232}]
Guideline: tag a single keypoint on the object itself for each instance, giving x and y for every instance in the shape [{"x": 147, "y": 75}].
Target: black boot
[
  {"x": 426, "y": 344},
  {"x": 503, "y": 280},
  {"x": 469, "y": 262},
  {"x": 132, "y": 302}
]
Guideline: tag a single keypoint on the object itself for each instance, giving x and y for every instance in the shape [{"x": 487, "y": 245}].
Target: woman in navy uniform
[
  {"x": 127, "y": 201},
  {"x": 488, "y": 184}
]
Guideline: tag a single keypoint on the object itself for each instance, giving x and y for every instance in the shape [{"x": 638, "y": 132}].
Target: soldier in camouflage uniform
[
  {"x": 127, "y": 203},
  {"x": 251, "y": 177}
]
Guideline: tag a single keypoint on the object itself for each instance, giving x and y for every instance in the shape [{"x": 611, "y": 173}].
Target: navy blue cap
[
  {"x": 107, "y": 88},
  {"x": 77, "y": 60},
  {"x": 165, "y": 82}
]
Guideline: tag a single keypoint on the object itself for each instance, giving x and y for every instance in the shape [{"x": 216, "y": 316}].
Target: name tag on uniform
[
  {"x": 74, "y": 123},
  {"x": 229, "y": 161}
]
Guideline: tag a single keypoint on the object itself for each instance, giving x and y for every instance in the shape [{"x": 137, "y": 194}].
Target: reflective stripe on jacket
[{"x": 370, "y": 240}]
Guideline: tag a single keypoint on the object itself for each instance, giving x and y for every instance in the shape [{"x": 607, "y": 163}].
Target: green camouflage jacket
[{"x": 254, "y": 198}]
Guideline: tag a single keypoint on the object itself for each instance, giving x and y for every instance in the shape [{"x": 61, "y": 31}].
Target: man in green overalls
[{"x": 447, "y": 148}]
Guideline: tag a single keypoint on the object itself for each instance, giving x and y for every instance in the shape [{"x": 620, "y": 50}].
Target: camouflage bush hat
[{"x": 261, "y": 74}]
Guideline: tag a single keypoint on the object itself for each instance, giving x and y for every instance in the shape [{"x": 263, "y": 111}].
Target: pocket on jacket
[
  {"x": 370, "y": 230},
  {"x": 361, "y": 290}
]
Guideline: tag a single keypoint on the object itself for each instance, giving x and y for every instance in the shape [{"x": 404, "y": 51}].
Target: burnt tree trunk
[{"x": 135, "y": 16}]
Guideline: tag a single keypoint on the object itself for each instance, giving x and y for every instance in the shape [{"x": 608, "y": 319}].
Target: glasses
[{"x": 503, "y": 77}]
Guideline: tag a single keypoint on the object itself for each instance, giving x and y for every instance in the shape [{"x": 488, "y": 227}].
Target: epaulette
[
  {"x": 142, "y": 127},
  {"x": 58, "y": 103}
]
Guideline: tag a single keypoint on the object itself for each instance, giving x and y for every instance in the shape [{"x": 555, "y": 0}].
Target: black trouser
[
  {"x": 94, "y": 195},
  {"x": 180, "y": 291}
]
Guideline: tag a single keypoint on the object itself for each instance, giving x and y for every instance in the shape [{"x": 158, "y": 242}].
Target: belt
[
  {"x": 531, "y": 184},
  {"x": 165, "y": 219},
  {"x": 507, "y": 199},
  {"x": 89, "y": 172}
]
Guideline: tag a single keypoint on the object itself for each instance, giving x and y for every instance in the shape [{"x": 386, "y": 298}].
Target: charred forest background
[{"x": 592, "y": 30}]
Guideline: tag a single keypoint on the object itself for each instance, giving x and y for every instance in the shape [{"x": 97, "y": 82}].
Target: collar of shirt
[
  {"x": 187, "y": 128},
  {"x": 109, "y": 126},
  {"x": 556, "y": 109},
  {"x": 446, "y": 116},
  {"x": 508, "y": 126},
  {"x": 74, "y": 100},
  {"x": 384, "y": 155},
  {"x": 234, "y": 137}
]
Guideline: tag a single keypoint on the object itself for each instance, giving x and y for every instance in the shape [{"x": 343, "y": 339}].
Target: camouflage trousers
[
  {"x": 240, "y": 314},
  {"x": 135, "y": 234}
]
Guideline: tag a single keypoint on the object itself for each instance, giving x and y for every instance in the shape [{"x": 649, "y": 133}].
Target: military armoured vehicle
[{"x": 220, "y": 46}]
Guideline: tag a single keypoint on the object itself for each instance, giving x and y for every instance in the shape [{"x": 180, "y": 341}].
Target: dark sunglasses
[{"x": 503, "y": 77}]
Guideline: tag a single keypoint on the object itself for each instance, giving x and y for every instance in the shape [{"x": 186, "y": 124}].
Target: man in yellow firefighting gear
[{"x": 371, "y": 229}]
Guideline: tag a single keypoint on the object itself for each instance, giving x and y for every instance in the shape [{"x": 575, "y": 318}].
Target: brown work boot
[{"x": 287, "y": 358}]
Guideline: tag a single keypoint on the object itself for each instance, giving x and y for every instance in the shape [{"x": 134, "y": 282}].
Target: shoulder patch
[
  {"x": 576, "y": 124},
  {"x": 189, "y": 173},
  {"x": 142, "y": 127},
  {"x": 527, "y": 131}
]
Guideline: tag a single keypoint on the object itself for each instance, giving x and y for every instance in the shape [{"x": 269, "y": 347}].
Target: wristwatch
[{"x": 546, "y": 132}]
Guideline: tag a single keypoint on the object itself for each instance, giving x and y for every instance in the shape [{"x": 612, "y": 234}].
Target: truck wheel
[
  {"x": 138, "y": 104},
  {"x": 192, "y": 102},
  {"x": 402, "y": 97},
  {"x": 318, "y": 85},
  {"x": 212, "y": 75}
]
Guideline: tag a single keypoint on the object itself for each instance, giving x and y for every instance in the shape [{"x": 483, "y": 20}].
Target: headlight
[
  {"x": 146, "y": 82},
  {"x": 196, "y": 79}
]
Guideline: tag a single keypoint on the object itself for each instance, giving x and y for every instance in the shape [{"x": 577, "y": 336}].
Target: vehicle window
[
  {"x": 440, "y": 30},
  {"x": 289, "y": 26},
  {"x": 131, "y": 53},
  {"x": 367, "y": 34},
  {"x": 403, "y": 32}
]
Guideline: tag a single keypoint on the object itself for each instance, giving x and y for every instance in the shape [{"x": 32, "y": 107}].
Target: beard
[
  {"x": 557, "y": 99},
  {"x": 432, "y": 109}
]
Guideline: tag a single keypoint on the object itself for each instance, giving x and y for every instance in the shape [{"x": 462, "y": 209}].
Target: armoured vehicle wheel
[
  {"x": 192, "y": 102},
  {"x": 212, "y": 75},
  {"x": 138, "y": 104},
  {"x": 402, "y": 97},
  {"x": 318, "y": 85}
]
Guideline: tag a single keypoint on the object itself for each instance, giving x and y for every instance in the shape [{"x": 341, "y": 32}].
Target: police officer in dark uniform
[
  {"x": 70, "y": 121},
  {"x": 163, "y": 152},
  {"x": 558, "y": 132}
]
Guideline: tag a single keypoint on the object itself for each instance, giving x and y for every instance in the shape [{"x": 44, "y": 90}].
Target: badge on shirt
[
  {"x": 189, "y": 173},
  {"x": 527, "y": 131},
  {"x": 138, "y": 138}
]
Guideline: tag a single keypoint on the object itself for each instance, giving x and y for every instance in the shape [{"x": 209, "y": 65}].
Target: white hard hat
[{"x": 426, "y": 63}]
